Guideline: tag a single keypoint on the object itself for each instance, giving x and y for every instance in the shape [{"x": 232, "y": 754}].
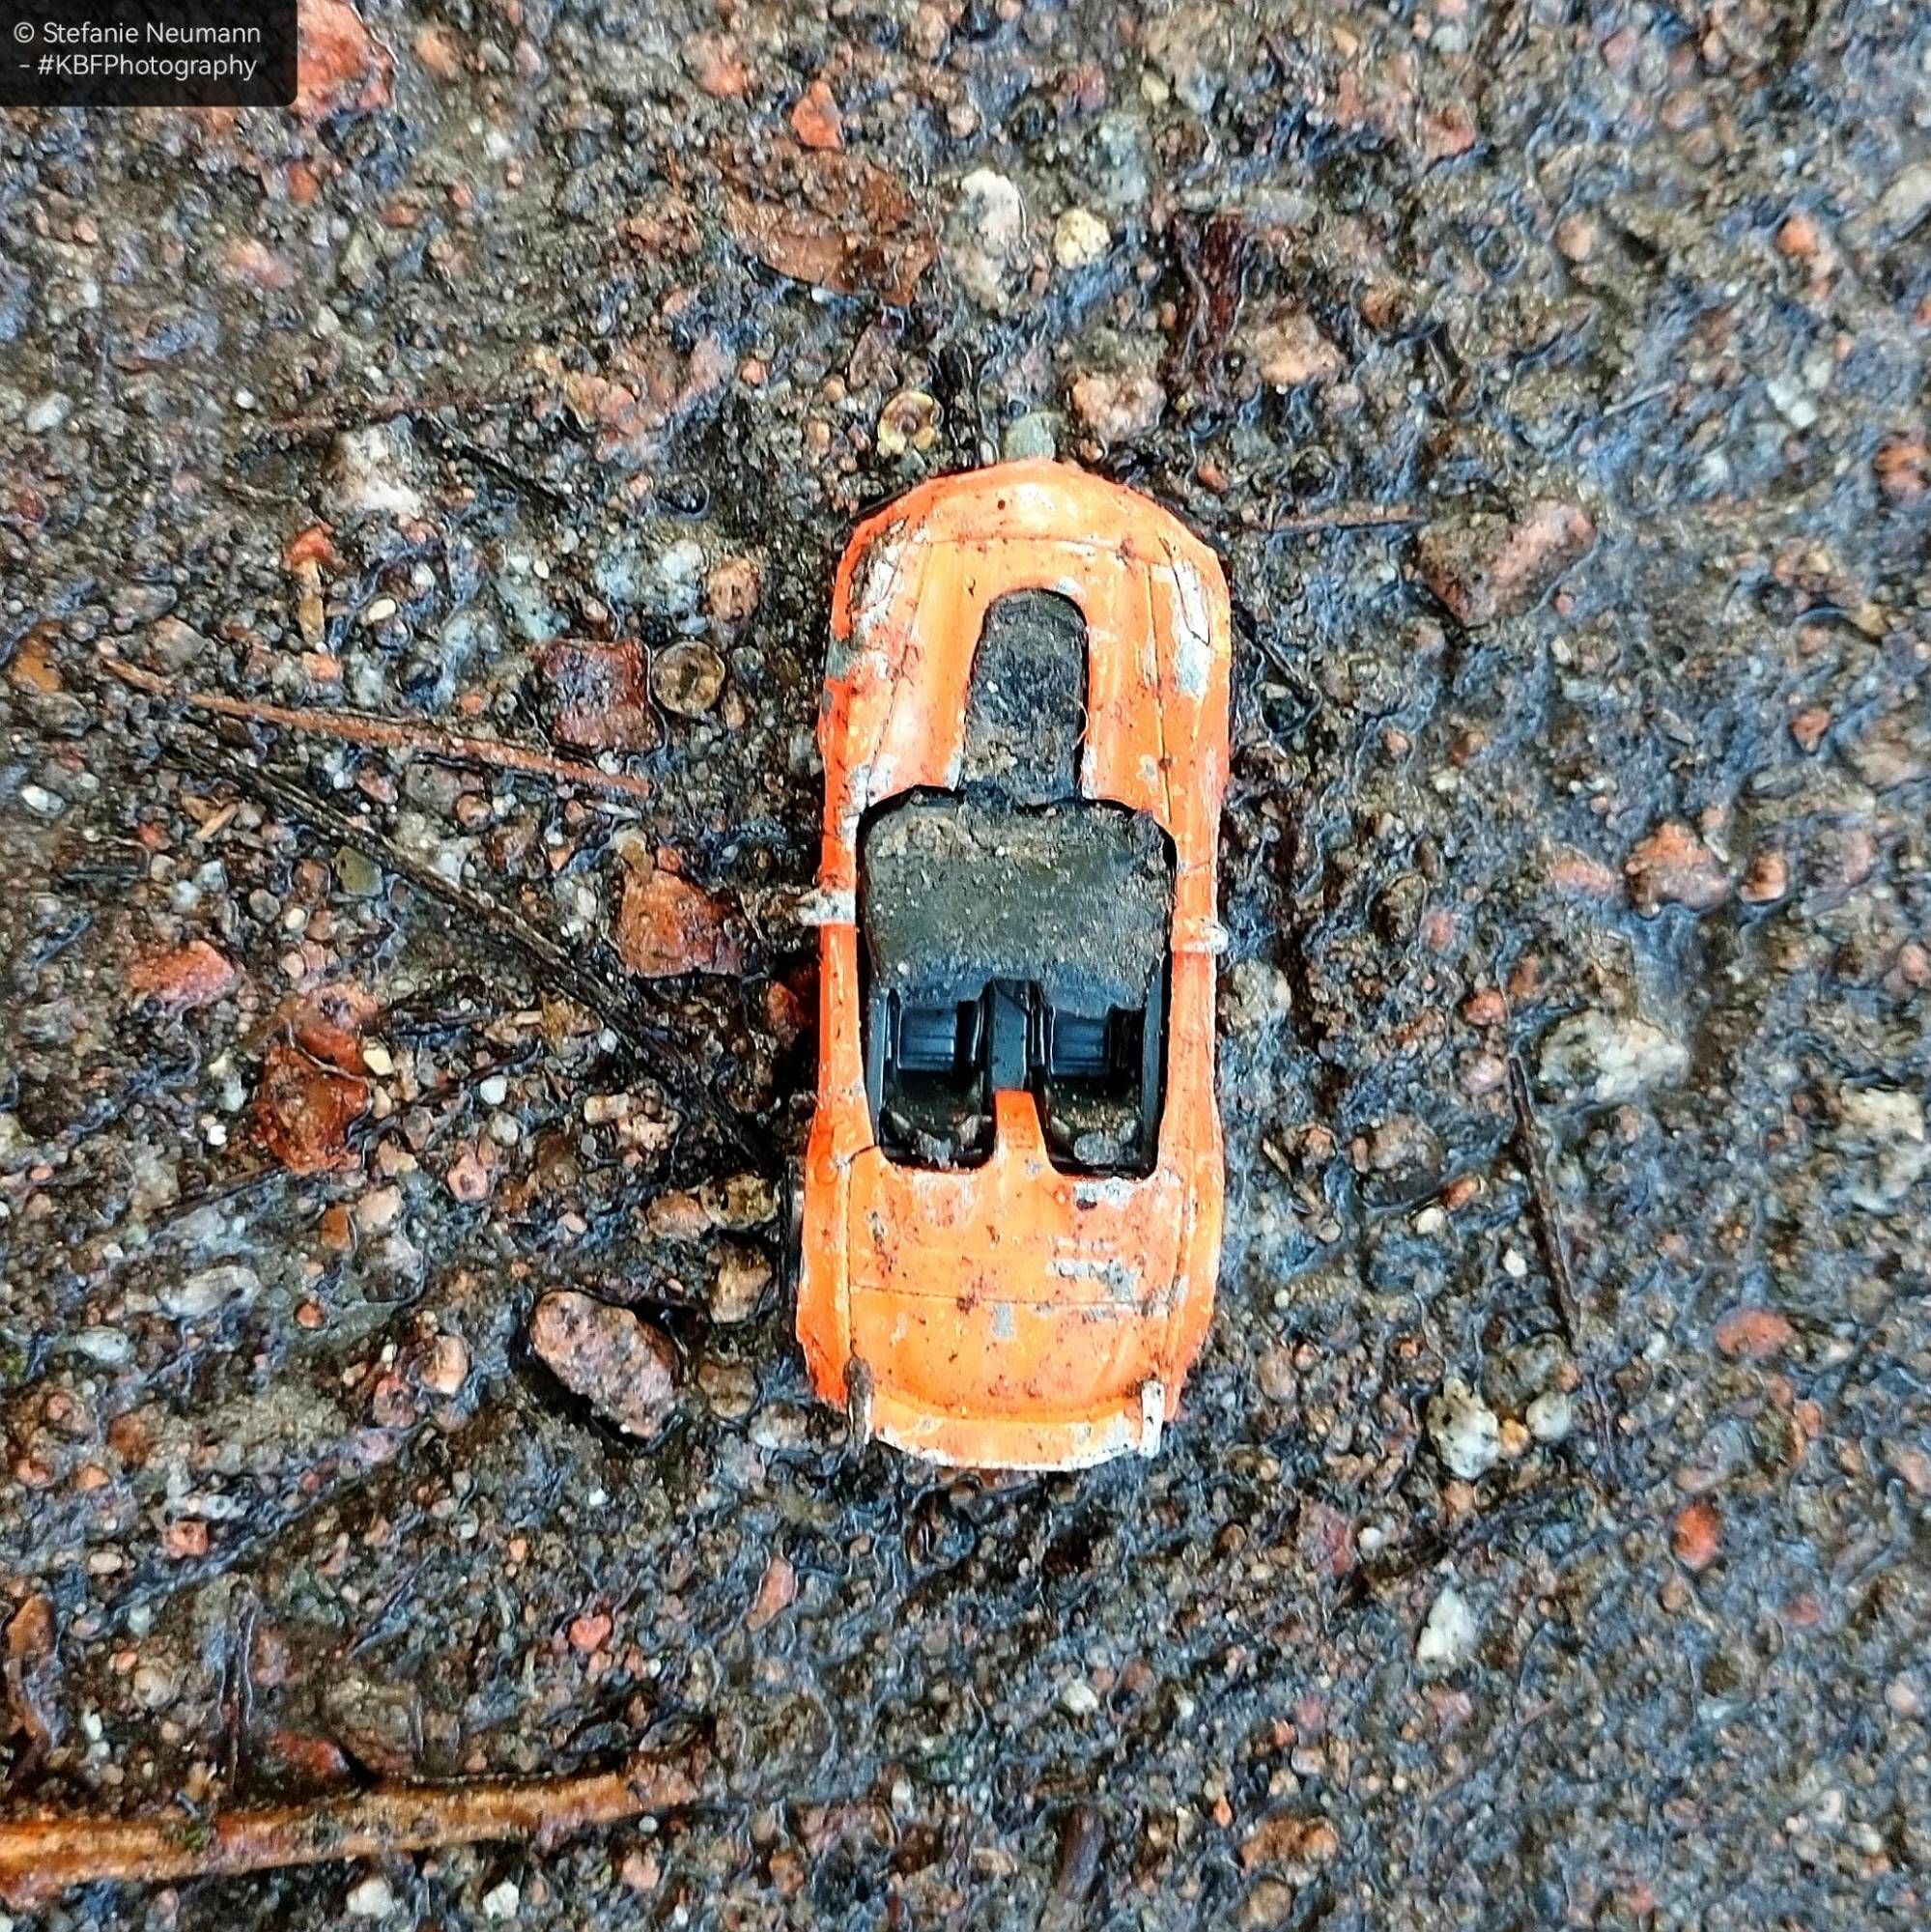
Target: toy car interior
[{"x": 1017, "y": 935}]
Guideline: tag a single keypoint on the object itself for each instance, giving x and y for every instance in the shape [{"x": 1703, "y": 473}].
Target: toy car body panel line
[{"x": 1014, "y": 1314}]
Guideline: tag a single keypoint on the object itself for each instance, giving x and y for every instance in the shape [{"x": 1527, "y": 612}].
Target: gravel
[{"x": 1552, "y": 388}]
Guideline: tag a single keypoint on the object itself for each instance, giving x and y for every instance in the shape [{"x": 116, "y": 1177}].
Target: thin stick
[
  {"x": 41, "y": 1858},
  {"x": 388, "y": 409},
  {"x": 1548, "y": 1223},
  {"x": 579, "y": 970},
  {"x": 1555, "y": 1248},
  {"x": 1345, "y": 517},
  {"x": 1636, "y": 401},
  {"x": 394, "y": 734},
  {"x": 574, "y": 970}
]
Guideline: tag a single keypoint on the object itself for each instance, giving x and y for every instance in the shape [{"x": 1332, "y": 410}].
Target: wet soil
[{"x": 1542, "y": 1540}]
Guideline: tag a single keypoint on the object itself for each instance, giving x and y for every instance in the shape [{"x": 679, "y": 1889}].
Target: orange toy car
[{"x": 1010, "y": 1216}]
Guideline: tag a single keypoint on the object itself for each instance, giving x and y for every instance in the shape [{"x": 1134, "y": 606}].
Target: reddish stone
[
  {"x": 315, "y": 545},
  {"x": 1767, "y": 880},
  {"x": 1485, "y": 1008},
  {"x": 678, "y": 1217},
  {"x": 184, "y": 1538},
  {"x": 598, "y": 695},
  {"x": 327, "y": 1025},
  {"x": 1753, "y": 1334},
  {"x": 1571, "y": 871},
  {"x": 776, "y": 1594},
  {"x": 1697, "y": 1536},
  {"x": 837, "y": 221},
  {"x": 590, "y": 1631},
  {"x": 1118, "y": 407},
  {"x": 1808, "y": 727},
  {"x": 1903, "y": 466},
  {"x": 340, "y": 66},
  {"x": 1290, "y": 350},
  {"x": 733, "y": 592},
  {"x": 306, "y": 1759},
  {"x": 625, "y": 1369},
  {"x": 439, "y": 51},
  {"x": 303, "y": 1111},
  {"x": 1445, "y": 132},
  {"x": 468, "y": 1176},
  {"x": 717, "y": 66},
  {"x": 1673, "y": 867},
  {"x": 1487, "y": 567},
  {"x": 184, "y": 977},
  {"x": 815, "y": 119},
  {"x": 313, "y": 1086},
  {"x": 246, "y": 259},
  {"x": 392, "y": 1402},
  {"x": 1324, "y": 1538},
  {"x": 1291, "y": 1841},
  {"x": 665, "y": 925},
  {"x": 1797, "y": 238}
]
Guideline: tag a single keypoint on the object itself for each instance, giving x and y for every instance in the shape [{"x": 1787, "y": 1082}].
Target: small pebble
[
  {"x": 1080, "y": 238},
  {"x": 371, "y": 1898},
  {"x": 1551, "y": 1416},
  {"x": 49, "y": 412},
  {"x": 1449, "y": 1636},
  {"x": 1080, "y": 1697},
  {"x": 1464, "y": 1430}
]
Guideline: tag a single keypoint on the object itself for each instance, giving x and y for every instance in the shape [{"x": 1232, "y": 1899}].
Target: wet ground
[{"x": 1543, "y": 1539}]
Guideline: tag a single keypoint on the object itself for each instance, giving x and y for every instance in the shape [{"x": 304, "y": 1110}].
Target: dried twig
[
  {"x": 41, "y": 1858},
  {"x": 1345, "y": 517},
  {"x": 394, "y": 734},
  {"x": 567, "y": 967},
  {"x": 1534, "y": 1156},
  {"x": 1547, "y": 1222},
  {"x": 577, "y": 970},
  {"x": 504, "y": 468},
  {"x": 389, "y": 408}
]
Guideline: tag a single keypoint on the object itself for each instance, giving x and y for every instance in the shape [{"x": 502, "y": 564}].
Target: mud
[{"x": 1541, "y": 1540}]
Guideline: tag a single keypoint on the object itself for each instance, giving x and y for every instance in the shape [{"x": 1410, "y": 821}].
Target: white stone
[
  {"x": 371, "y": 474},
  {"x": 1080, "y": 237},
  {"x": 372, "y": 1898},
  {"x": 1466, "y": 1435},
  {"x": 988, "y": 225},
  {"x": 501, "y": 1901},
  {"x": 49, "y": 412},
  {"x": 1907, "y": 200},
  {"x": 210, "y": 1289},
  {"x": 1609, "y": 1058},
  {"x": 1448, "y": 1637},
  {"x": 1551, "y": 1416},
  {"x": 1079, "y": 1697},
  {"x": 108, "y": 1347},
  {"x": 681, "y": 570},
  {"x": 1889, "y": 1122}
]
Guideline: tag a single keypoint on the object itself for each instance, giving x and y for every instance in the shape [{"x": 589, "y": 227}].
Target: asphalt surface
[{"x": 1542, "y": 1540}]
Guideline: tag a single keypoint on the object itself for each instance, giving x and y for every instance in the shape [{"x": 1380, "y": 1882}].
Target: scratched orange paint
[{"x": 1012, "y": 1315}]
